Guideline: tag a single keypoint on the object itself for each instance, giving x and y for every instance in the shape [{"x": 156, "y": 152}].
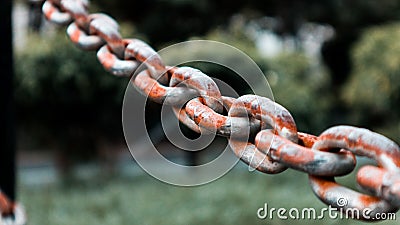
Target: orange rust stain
[
  {"x": 193, "y": 104},
  {"x": 178, "y": 76},
  {"x": 253, "y": 106},
  {"x": 131, "y": 52},
  {"x": 198, "y": 118},
  {"x": 394, "y": 155},
  {"x": 323, "y": 185},
  {"x": 202, "y": 100},
  {"x": 108, "y": 60},
  {"x": 150, "y": 86},
  {"x": 204, "y": 115},
  {"x": 221, "y": 121},
  {"x": 326, "y": 184},
  {"x": 306, "y": 140},
  {"x": 370, "y": 176},
  {"x": 286, "y": 122},
  {"x": 157, "y": 91},
  {"x": 171, "y": 71},
  {"x": 50, "y": 12},
  {"x": 75, "y": 35},
  {"x": 332, "y": 137},
  {"x": 126, "y": 43},
  {"x": 190, "y": 111},
  {"x": 6, "y": 207},
  {"x": 397, "y": 161},
  {"x": 140, "y": 57},
  {"x": 368, "y": 200},
  {"x": 246, "y": 105}
]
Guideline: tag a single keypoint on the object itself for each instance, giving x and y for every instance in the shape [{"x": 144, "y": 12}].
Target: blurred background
[{"x": 328, "y": 62}]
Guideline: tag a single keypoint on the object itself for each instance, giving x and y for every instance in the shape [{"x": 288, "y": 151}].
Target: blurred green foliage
[
  {"x": 303, "y": 88},
  {"x": 178, "y": 20},
  {"x": 63, "y": 96},
  {"x": 373, "y": 90},
  {"x": 51, "y": 69}
]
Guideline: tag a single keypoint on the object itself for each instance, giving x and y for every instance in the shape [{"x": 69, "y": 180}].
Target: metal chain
[
  {"x": 10, "y": 212},
  {"x": 277, "y": 145}
]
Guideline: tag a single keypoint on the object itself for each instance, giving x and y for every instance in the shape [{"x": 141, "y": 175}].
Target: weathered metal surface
[
  {"x": 249, "y": 154},
  {"x": 382, "y": 181},
  {"x": 77, "y": 10},
  {"x": 116, "y": 66},
  {"x": 82, "y": 39},
  {"x": 237, "y": 127},
  {"x": 51, "y": 10},
  {"x": 270, "y": 113},
  {"x": 194, "y": 78},
  {"x": 176, "y": 96},
  {"x": 348, "y": 200},
  {"x": 142, "y": 52},
  {"x": 108, "y": 29},
  {"x": 297, "y": 157},
  {"x": 183, "y": 117},
  {"x": 306, "y": 140}
]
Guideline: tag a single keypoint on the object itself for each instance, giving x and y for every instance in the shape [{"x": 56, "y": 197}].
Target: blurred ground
[{"x": 133, "y": 197}]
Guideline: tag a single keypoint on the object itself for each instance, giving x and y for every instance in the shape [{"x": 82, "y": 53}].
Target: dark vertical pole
[
  {"x": 35, "y": 15},
  {"x": 7, "y": 139}
]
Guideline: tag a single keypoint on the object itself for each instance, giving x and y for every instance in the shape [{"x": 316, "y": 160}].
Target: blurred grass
[{"x": 233, "y": 199}]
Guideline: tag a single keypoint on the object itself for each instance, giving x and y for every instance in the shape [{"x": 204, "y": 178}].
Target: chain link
[
  {"x": 10, "y": 212},
  {"x": 198, "y": 103}
]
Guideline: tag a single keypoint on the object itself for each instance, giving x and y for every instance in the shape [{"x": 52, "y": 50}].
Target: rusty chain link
[
  {"x": 277, "y": 145},
  {"x": 11, "y": 212}
]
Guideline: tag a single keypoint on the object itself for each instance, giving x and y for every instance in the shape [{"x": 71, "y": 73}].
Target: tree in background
[
  {"x": 65, "y": 100},
  {"x": 373, "y": 90},
  {"x": 7, "y": 140},
  {"x": 173, "y": 21}
]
